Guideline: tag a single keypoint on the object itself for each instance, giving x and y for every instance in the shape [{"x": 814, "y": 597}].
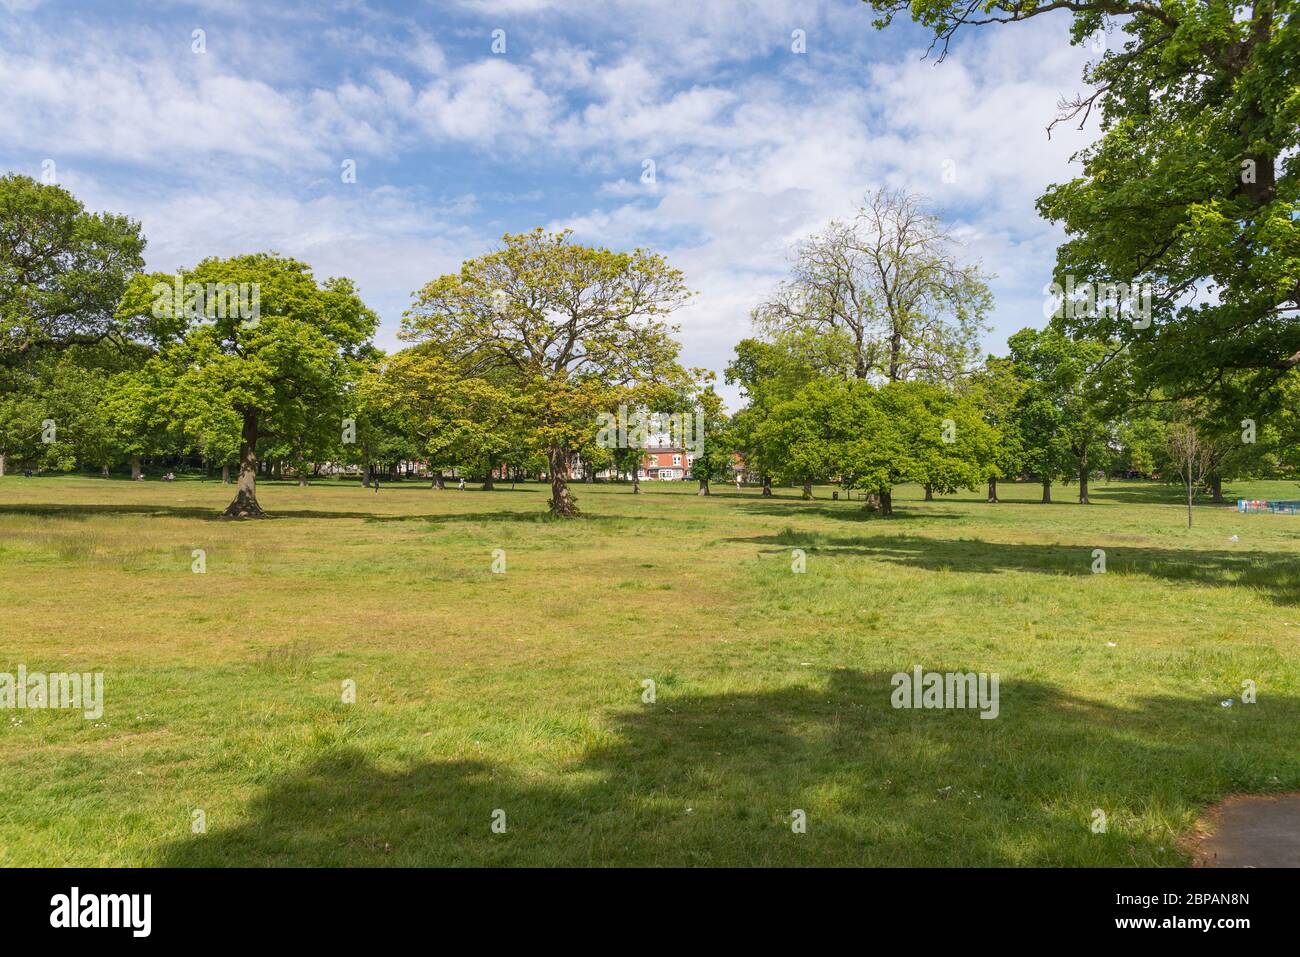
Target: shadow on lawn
[
  {"x": 160, "y": 511},
  {"x": 849, "y": 511},
  {"x": 1149, "y": 493},
  {"x": 714, "y": 779},
  {"x": 1275, "y": 573},
  {"x": 214, "y": 515}
]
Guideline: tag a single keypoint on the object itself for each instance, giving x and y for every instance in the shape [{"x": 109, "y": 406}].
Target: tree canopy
[
  {"x": 1191, "y": 194},
  {"x": 570, "y": 321},
  {"x": 281, "y": 371},
  {"x": 62, "y": 269}
]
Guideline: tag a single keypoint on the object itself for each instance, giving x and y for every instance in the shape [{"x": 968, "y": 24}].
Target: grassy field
[{"x": 523, "y": 692}]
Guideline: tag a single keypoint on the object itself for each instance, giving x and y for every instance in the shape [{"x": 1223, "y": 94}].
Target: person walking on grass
[{"x": 462, "y": 483}]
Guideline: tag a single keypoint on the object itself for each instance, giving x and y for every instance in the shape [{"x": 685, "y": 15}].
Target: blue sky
[{"x": 241, "y": 147}]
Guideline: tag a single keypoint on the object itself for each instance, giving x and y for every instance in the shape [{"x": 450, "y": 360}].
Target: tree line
[
  {"x": 252, "y": 363},
  {"x": 864, "y": 369},
  {"x": 865, "y": 365}
]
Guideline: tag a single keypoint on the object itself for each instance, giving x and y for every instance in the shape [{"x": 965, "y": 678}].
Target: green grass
[{"x": 522, "y": 691}]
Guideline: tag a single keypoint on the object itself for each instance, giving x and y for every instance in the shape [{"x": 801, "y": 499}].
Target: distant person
[
  {"x": 375, "y": 478},
  {"x": 737, "y": 483},
  {"x": 462, "y": 483},
  {"x": 27, "y": 473}
]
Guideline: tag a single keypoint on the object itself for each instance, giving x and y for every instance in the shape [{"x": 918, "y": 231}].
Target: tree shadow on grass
[
  {"x": 715, "y": 779},
  {"x": 853, "y": 511},
  {"x": 1275, "y": 573},
  {"x": 46, "y": 510},
  {"x": 1149, "y": 493},
  {"x": 539, "y": 517}
]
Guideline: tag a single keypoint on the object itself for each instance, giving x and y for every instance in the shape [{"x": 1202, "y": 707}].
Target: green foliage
[
  {"x": 772, "y": 372},
  {"x": 457, "y": 420},
  {"x": 572, "y": 324},
  {"x": 1066, "y": 410},
  {"x": 997, "y": 390},
  {"x": 712, "y": 458},
  {"x": 875, "y": 438},
  {"x": 62, "y": 270},
  {"x": 281, "y": 373},
  {"x": 1193, "y": 186}
]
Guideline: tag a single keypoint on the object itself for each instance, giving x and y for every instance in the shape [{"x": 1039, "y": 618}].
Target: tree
[
  {"x": 805, "y": 438},
  {"x": 950, "y": 441},
  {"x": 570, "y": 321},
  {"x": 1063, "y": 416},
  {"x": 890, "y": 281},
  {"x": 23, "y": 418},
  {"x": 772, "y": 372},
  {"x": 712, "y": 461},
  {"x": 376, "y": 431},
  {"x": 276, "y": 358},
  {"x": 917, "y": 432},
  {"x": 998, "y": 390},
  {"x": 875, "y": 437},
  {"x": 144, "y": 419},
  {"x": 1189, "y": 196},
  {"x": 629, "y": 459},
  {"x": 1193, "y": 456},
  {"x": 460, "y": 420},
  {"x": 62, "y": 270}
]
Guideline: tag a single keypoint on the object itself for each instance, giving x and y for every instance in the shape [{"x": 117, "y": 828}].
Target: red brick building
[{"x": 666, "y": 463}]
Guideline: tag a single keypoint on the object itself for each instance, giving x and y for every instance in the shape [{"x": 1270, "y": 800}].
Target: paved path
[{"x": 1253, "y": 831}]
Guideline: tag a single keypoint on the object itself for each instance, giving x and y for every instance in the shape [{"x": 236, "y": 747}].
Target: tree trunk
[
  {"x": 767, "y": 486},
  {"x": 886, "y": 502},
  {"x": 3, "y": 461},
  {"x": 365, "y": 476},
  {"x": 1083, "y": 481},
  {"x": 704, "y": 487},
  {"x": 103, "y": 471},
  {"x": 135, "y": 468},
  {"x": 1216, "y": 489},
  {"x": 993, "y": 490},
  {"x": 1189, "y": 492},
  {"x": 488, "y": 483},
  {"x": 636, "y": 482},
  {"x": 562, "y": 504},
  {"x": 225, "y": 475},
  {"x": 1047, "y": 491},
  {"x": 438, "y": 481},
  {"x": 245, "y": 504},
  {"x": 929, "y": 493},
  {"x": 895, "y": 354},
  {"x": 807, "y": 489},
  {"x": 302, "y": 478}
]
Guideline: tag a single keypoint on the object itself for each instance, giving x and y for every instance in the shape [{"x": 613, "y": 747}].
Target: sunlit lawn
[{"x": 523, "y": 691}]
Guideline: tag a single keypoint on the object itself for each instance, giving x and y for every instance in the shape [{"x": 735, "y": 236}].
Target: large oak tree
[
  {"x": 279, "y": 371},
  {"x": 571, "y": 322}
]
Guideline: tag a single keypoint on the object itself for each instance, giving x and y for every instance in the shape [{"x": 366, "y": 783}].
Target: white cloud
[{"x": 485, "y": 102}]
